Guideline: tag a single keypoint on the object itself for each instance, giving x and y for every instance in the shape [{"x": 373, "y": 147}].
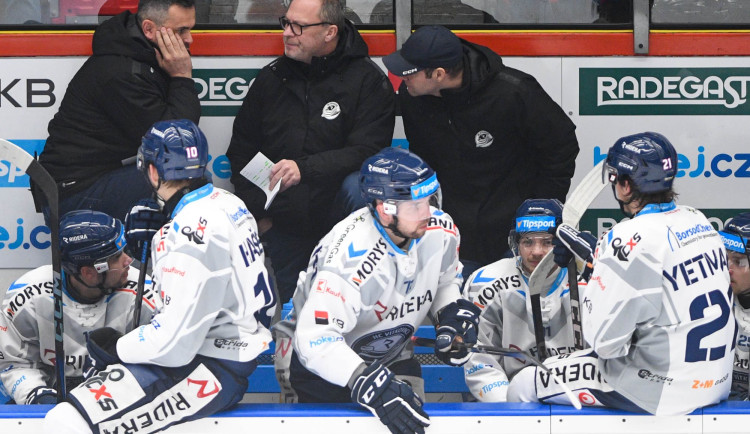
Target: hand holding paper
[{"x": 258, "y": 171}]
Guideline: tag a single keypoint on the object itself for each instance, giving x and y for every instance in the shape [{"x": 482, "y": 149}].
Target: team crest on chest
[
  {"x": 483, "y": 139},
  {"x": 331, "y": 110}
]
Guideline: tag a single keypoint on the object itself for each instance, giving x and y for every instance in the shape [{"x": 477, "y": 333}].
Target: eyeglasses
[
  {"x": 296, "y": 27},
  {"x": 738, "y": 261}
]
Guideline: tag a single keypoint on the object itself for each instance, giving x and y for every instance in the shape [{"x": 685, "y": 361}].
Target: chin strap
[
  {"x": 623, "y": 204},
  {"x": 744, "y": 299},
  {"x": 77, "y": 296}
]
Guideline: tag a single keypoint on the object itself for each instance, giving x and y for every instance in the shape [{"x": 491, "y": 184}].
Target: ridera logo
[
  {"x": 221, "y": 91},
  {"x": 663, "y": 91}
]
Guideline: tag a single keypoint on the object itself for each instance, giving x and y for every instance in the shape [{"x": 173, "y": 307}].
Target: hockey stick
[
  {"x": 544, "y": 274},
  {"x": 141, "y": 283},
  {"x": 47, "y": 185},
  {"x": 504, "y": 352}
]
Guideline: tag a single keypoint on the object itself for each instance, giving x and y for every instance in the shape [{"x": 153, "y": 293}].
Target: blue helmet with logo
[
  {"x": 736, "y": 234},
  {"x": 89, "y": 238},
  {"x": 648, "y": 159},
  {"x": 177, "y": 148},
  {"x": 395, "y": 174},
  {"x": 534, "y": 215}
]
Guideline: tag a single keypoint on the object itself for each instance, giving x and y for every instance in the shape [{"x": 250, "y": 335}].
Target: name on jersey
[
  {"x": 413, "y": 304},
  {"x": 488, "y": 293},
  {"x": 368, "y": 265},
  {"x": 571, "y": 373},
  {"x": 699, "y": 267},
  {"x": 251, "y": 248},
  {"x": 26, "y": 294}
]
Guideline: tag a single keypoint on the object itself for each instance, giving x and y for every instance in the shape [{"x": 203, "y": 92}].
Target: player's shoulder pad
[
  {"x": 486, "y": 283},
  {"x": 348, "y": 240},
  {"x": 26, "y": 290},
  {"x": 442, "y": 221}
]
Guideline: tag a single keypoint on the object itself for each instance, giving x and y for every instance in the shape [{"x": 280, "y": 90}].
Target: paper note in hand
[{"x": 258, "y": 171}]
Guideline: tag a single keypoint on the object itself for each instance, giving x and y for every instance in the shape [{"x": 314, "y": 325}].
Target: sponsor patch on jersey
[
  {"x": 173, "y": 405},
  {"x": 195, "y": 235},
  {"x": 321, "y": 317},
  {"x": 623, "y": 248},
  {"x": 374, "y": 346},
  {"x": 331, "y": 110},
  {"x": 108, "y": 392},
  {"x": 369, "y": 263}
]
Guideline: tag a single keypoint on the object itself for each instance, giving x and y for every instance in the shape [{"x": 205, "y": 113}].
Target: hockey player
[
  {"x": 501, "y": 289},
  {"x": 657, "y": 310},
  {"x": 99, "y": 291},
  {"x": 370, "y": 283},
  {"x": 194, "y": 357},
  {"x": 736, "y": 236}
]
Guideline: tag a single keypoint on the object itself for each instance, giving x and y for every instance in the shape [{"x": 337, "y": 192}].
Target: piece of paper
[{"x": 258, "y": 171}]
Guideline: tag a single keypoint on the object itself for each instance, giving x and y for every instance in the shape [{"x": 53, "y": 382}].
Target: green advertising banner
[
  {"x": 221, "y": 91},
  {"x": 598, "y": 221}
]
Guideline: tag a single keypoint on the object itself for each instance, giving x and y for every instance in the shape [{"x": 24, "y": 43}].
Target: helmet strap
[{"x": 77, "y": 296}]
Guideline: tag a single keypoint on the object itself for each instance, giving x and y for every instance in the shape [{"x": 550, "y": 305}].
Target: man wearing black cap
[{"x": 491, "y": 131}]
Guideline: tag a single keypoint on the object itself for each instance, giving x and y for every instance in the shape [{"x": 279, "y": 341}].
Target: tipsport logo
[
  {"x": 221, "y": 91},
  {"x": 663, "y": 91},
  {"x": 10, "y": 174},
  {"x": 704, "y": 165}
]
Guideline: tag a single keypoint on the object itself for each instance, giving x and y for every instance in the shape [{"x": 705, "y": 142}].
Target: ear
[
  {"x": 88, "y": 274},
  {"x": 149, "y": 29},
  {"x": 153, "y": 175},
  {"x": 439, "y": 74},
  {"x": 331, "y": 32}
]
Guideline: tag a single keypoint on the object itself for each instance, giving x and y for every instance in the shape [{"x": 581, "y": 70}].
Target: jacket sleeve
[
  {"x": 21, "y": 367},
  {"x": 484, "y": 373},
  {"x": 245, "y": 143},
  {"x": 552, "y": 142},
  {"x": 371, "y": 131},
  {"x": 134, "y": 102}
]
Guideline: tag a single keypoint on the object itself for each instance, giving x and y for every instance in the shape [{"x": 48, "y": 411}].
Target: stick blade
[
  {"x": 585, "y": 192},
  {"x": 543, "y": 276}
]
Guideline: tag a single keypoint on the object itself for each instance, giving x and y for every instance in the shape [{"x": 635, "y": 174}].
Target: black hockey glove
[
  {"x": 102, "y": 347},
  {"x": 141, "y": 224},
  {"x": 459, "y": 319},
  {"x": 570, "y": 242},
  {"x": 391, "y": 400},
  {"x": 42, "y": 395}
]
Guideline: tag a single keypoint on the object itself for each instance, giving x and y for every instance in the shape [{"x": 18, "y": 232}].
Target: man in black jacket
[
  {"x": 140, "y": 72},
  {"x": 491, "y": 131},
  {"x": 317, "y": 112}
]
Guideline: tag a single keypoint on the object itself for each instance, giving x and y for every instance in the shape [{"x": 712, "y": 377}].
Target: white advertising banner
[{"x": 700, "y": 104}]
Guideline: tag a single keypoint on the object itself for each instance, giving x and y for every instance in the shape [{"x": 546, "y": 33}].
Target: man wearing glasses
[
  {"x": 317, "y": 112},
  {"x": 501, "y": 290},
  {"x": 736, "y": 236}
]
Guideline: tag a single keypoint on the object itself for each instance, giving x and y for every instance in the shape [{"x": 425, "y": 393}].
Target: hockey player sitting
[
  {"x": 370, "y": 284},
  {"x": 194, "y": 357},
  {"x": 99, "y": 292},
  {"x": 657, "y": 310},
  {"x": 736, "y": 236},
  {"x": 501, "y": 290}
]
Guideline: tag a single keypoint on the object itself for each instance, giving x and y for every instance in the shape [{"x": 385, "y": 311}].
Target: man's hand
[
  {"x": 172, "y": 55},
  {"x": 102, "y": 347},
  {"x": 570, "y": 242},
  {"x": 141, "y": 224},
  {"x": 391, "y": 400},
  {"x": 287, "y": 172},
  {"x": 457, "y": 321}
]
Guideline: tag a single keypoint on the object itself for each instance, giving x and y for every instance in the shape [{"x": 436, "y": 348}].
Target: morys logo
[
  {"x": 663, "y": 91},
  {"x": 221, "y": 91}
]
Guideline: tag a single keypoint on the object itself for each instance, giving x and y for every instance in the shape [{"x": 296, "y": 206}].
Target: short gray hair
[
  {"x": 332, "y": 11},
  {"x": 157, "y": 10}
]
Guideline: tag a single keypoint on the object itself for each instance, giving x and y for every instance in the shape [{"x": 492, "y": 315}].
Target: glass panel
[{"x": 700, "y": 12}]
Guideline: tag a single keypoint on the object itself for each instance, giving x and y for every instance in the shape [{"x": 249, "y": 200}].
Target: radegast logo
[
  {"x": 663, "y": 91},
  {"x": 221, "y": 91}
]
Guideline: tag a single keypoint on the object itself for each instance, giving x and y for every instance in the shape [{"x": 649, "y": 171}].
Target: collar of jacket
[
  {"x": 122, "y": 36},
  {"x": 481, "y": 65}
]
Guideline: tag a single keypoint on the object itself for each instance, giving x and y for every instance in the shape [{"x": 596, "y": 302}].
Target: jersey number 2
[{"x": 693, "y": 351}]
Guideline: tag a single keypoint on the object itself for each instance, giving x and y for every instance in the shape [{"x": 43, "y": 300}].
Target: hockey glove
[
  {"x": 459, "y": 319},
  {"x": 391, "y": 400},
  {"x": 141, "y": 224},
  {"x": 42, "y": 395},
  {"x": 572, "y": 242},
  {"x": 102, "y": 347}
]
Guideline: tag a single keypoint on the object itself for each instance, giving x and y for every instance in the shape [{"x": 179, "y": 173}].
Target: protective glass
[
  {"x": 413, "y": 210},
  {"x": 103, "y": 265},
  {"x": 539, "y": 240},
  {"x": 297, "y": 28},
  {"x": 738, "y": 261}
]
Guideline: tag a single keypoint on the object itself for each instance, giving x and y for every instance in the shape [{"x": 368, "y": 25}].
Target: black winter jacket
[
  {"x": 282, "y": 117},
  {"x": 110, "y": 104},
  {"x": 494, "y": 142}
]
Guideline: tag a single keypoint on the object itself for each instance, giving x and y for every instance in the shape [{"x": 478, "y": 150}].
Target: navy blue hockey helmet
[
  {"x": 89, "y": 238},
  {"x": 648, "y": 159},
  {"x": 395, "y": 174},
  {"x": 736, "y": 234},
  {"x": 177, "y": 148},
  {"x": 535, "y": 215}
]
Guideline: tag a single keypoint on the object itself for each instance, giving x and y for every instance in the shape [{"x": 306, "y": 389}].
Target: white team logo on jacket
[
  {"x": 483, "y": 139},
  {"x": 331, "y": 110}
]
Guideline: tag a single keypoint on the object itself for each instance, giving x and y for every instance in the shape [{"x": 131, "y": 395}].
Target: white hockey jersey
[
  {"x": 362, "y": 297},
  {"x": 208, "y": 267},
  {"x": 740, "y": 377},
  {"x": 658, "y": 310},
  {"x": 500, "y": 289},
  {"x": 27, "y": 331}
]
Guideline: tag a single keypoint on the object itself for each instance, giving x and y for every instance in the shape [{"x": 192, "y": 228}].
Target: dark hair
[
  {"x": 156, "y": 10},
  {"x": 644, "y": 199},
  {"x": 332, "y": 11},
  {"x": 451, "y": 71}
]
